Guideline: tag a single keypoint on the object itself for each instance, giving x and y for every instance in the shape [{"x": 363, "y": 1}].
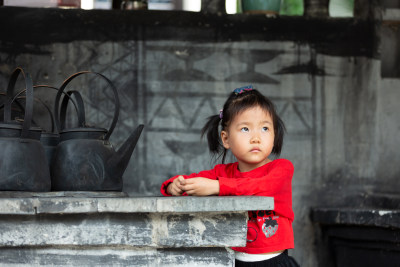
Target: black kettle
[
  {"x": 85, "y": 160},
  {"x": 51, "y": 139},
  {"x": 23, "y": 165}
]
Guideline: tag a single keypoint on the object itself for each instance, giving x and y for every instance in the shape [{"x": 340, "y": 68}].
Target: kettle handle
[
  {"x": 43, "y": 104},
  {"x": 26, "y": 125},
  {"x": 80, "y": 108},
  {"x": 17, "y": 103},
  {"x": 68, "y": 80},
  {"x": 17, "y": 96}
]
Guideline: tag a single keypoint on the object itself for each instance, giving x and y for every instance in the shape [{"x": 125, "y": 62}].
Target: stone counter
[{"x": 110, "y": 229}]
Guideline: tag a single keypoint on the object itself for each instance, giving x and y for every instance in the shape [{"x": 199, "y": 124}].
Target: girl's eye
[
  {"x": 244, "y": 129},
  {"x": 265, "y": 129}
]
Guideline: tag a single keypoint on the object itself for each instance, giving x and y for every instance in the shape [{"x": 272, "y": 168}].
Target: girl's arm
[
  {"x": 276, "y": 182},
  {"x": 174, "y": 185}
]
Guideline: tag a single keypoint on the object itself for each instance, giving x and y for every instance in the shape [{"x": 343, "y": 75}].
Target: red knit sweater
[{"x": 267, "y": 230}]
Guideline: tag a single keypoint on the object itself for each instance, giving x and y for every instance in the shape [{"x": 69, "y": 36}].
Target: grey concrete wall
[{"x": 340, "y": 115}]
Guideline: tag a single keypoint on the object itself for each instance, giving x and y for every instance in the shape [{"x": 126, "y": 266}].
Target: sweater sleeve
[
  {"x": 210, "y": 174},
  {"x": 276, "y": 180}
]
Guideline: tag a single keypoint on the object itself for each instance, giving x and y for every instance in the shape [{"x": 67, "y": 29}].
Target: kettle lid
[
  {"x": 14, "y": 129},
  {"x": 84, "y": 129},
  {"x": 83, "y": 133}
]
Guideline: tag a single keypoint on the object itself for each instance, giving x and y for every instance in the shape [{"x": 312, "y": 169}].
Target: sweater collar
[{"x": 254, "y": 172}]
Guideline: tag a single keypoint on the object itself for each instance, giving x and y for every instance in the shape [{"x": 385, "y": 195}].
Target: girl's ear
[{"x": 224, "y": 138}]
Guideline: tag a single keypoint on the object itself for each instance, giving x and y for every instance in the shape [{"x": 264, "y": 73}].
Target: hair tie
[
  {"x": 221, "y": 113},
  {"x": 243, "y": 89}
]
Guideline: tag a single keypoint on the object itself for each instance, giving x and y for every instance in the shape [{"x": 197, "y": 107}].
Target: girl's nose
[{"x": 255, "y": 139}]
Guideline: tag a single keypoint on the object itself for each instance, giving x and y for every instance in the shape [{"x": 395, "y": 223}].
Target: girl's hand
[
  {"x": 200, "y": 186},
  {"x": 175, "y": 188}
]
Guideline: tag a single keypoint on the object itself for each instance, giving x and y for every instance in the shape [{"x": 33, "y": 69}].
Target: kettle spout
[{"x": 119, "y": 161}]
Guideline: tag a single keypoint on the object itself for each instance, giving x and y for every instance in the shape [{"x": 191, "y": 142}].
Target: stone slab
[
  {"x": 86, "y": 194},
  {"x": 202, "y": 257},
  {"x": 153, "y": 230},
  {"x": 362, "y": 217},
  {"x": 75, "y": 205}
]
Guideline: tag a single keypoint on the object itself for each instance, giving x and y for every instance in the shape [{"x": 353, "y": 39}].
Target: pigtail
[
  {"x": 210, "y": 129},
  {"x": 280, "y": 130}
]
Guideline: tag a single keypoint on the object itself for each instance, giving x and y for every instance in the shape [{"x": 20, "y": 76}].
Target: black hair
[{"x": 235, "y": 104}]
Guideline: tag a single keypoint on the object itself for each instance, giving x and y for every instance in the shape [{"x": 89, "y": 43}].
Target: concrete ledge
[
  {"x": 80, "y": 204},
  {"x": 204, "y": 257},
  {"x": 110, "y": 229},
  {"x": 362, "y": 217},
  {"x": 155, "y": 230}
]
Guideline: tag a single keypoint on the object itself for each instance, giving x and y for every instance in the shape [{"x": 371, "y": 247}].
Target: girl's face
[{"x": 250, "y": 137}]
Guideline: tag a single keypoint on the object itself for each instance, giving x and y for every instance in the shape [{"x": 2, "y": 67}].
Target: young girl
[{"x": 252, "y": 131}]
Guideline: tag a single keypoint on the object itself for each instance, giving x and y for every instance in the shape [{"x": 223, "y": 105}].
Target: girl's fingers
[
  {"x": 178, "y": 190},
  {"x": 189, "y": 181},
  {"x": 188, "y": 187}
]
